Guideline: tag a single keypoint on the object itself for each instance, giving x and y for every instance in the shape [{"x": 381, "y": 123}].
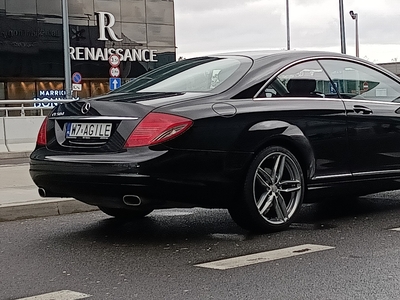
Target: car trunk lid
[{"x": 103, "y": 124}]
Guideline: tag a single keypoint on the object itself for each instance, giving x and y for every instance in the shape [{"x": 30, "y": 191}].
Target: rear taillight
[
  {"x": 41, "y": 138},
  {"x": 156, "y": 128}
]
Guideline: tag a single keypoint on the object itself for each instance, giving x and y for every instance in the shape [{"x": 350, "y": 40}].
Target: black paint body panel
[{"x": 340, "y": 153}]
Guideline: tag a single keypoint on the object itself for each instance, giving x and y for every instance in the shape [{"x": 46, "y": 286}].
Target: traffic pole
[
  {"x": 67, "y": 59},
  {"x": 287, "y": 25},
  {"x": 342, "y": 31}
]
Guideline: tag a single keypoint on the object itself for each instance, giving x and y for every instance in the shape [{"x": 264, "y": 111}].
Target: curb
[
  {"x": 11, "y": 155},
  {"x": 48, "y": 208}
]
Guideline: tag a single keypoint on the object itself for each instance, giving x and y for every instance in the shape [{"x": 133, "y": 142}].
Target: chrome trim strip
[
  {"x": 376, "y": 173},
  {"x": 88, "y": 144},
  {"x": 299, "y": 98},
  {"x": 359, "y": 174},
  {"x": 97, "y": 118},
  {"x": 371, "y": 101},
  {"x": 331, "y": 176},
  {"x": 314, "y": 188}
]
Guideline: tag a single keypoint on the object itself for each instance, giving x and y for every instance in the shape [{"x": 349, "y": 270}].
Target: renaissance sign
[
  {"x": 84, "y": 53},
  {"x": 105, "y": 22}
]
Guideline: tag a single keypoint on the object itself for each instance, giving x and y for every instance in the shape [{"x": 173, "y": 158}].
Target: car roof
[
  {"x": 283, "y": 57},
  {"x": 289, "y": 54},
  {"x": 269, "y": 62}
]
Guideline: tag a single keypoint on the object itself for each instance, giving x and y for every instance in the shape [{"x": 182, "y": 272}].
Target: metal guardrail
[{"x": 22, "y": 108}]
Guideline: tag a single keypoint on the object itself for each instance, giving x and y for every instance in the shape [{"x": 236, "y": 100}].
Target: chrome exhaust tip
[
  {"x": 132, "y": 200},
  {"x": 42, "y": 192}
]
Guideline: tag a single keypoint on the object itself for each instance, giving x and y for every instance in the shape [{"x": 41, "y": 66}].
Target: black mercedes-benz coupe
[{"x": 258, "y": 133}]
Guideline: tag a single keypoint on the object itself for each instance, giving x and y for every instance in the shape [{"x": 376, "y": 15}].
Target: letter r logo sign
[{"x": 106, "y": 21}]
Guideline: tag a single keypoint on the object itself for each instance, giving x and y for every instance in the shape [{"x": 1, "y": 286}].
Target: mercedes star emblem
[{"x": 85, "y": 108}]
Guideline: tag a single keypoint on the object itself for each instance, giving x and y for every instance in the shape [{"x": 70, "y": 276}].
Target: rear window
[{"x": 204, "y": 74}]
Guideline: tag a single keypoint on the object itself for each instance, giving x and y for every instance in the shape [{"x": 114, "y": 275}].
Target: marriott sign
[{"x": 106, "y": 21}]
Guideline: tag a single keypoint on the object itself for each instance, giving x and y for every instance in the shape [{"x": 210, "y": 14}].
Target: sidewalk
[{"x": 19, "y": 198}]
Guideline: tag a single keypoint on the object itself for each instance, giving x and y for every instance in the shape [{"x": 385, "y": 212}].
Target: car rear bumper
[{"x": 155, "y": 177}]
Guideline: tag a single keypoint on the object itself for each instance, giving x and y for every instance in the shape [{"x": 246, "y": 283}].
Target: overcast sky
[{"x": 211, "y": 26}]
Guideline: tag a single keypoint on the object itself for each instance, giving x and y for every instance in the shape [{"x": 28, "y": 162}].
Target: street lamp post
[
  {"x": 342, "y": 31},
  {"x": 67, "y": 59},
  {"x": 354, "y": 16},
  {"x": 287, "y": 25}
]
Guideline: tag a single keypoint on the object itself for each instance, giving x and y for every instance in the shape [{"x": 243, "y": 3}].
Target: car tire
[
  {"x": 273, "y": 192},
  {"x": 122, "y": 213}
]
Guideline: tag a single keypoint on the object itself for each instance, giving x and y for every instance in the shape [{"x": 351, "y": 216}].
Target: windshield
[{"x": 202, "y": 74}]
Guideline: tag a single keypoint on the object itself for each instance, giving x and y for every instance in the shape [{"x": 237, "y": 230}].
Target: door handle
[{"x": 363, "y": 110}]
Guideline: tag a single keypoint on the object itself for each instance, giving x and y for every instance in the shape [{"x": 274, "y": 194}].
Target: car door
[{"x": 373, "y": 115}]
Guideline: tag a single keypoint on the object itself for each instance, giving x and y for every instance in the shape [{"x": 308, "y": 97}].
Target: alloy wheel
[{"x": 277, "y": 187}]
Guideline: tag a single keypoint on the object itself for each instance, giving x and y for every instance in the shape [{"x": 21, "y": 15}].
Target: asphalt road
[{"x": 156, "y": 257}]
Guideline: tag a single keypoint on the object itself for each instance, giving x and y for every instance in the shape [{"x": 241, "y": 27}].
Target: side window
[
  {"x": 355, "y": 81},
  {"x": 306, "y": 79}
]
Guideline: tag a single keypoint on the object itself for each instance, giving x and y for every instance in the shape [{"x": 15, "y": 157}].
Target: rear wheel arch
[
  {"x": 292, "y": 138},
  {"x": 300, "y": 150}
]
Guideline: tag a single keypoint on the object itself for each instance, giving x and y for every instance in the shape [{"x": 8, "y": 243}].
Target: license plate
[{"x": 88, "y": 130}]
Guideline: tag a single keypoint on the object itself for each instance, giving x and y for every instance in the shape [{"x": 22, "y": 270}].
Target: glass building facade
[{"x": 140, "y": 32}]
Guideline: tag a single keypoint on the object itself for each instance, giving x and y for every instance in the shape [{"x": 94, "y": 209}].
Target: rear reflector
[
  {"x": 42, "y": 138},
  {"x": 157, "y": 128}
]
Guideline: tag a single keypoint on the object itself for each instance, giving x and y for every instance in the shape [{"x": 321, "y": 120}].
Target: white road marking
[
  {"x": 261, "y": 257},
  {"x": 60, "y": 295},
  {"x": 396, "y": 229},
  {"x": 172, "y": 212}
]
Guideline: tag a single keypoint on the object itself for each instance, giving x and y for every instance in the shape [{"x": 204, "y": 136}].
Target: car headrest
[{"x": 301, "y": 86}]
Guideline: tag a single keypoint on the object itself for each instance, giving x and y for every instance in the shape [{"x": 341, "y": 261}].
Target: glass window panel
[
  {"x": 84, "y": 22},
  {"x": 52, "y": 20},
  {"x": 110, "y": 6},
  {"x": 196, "y": 75},
  {"x": 2, "y": 91},
  {"x": 160, "y": 12},
  {"x": 2, "y": 5},
  {"x": 21, "y": 90},
  {"x": 161, "y": 35},
  {"x": 99, "y": 88},
  {"x": 46, "y": 7},
  {"x": 135, "y": 33},
  {"x": 84, "y": 93},
  {"x": 302, "y": 80},
  {"x": 164, "y": 56},
  {"x": 203, "y": 78},
  {"x": 164, "y": 50},
  {"x": 80, "y": 9},
  {"x": 133, "y": 11},
  {"x": 355, "y": 81},
  {"x": 21, "y": 7}
]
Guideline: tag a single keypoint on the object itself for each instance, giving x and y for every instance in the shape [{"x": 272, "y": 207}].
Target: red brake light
[
  {"x": 156, "y": 128},
  {"x": 41, "y": 138}
]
